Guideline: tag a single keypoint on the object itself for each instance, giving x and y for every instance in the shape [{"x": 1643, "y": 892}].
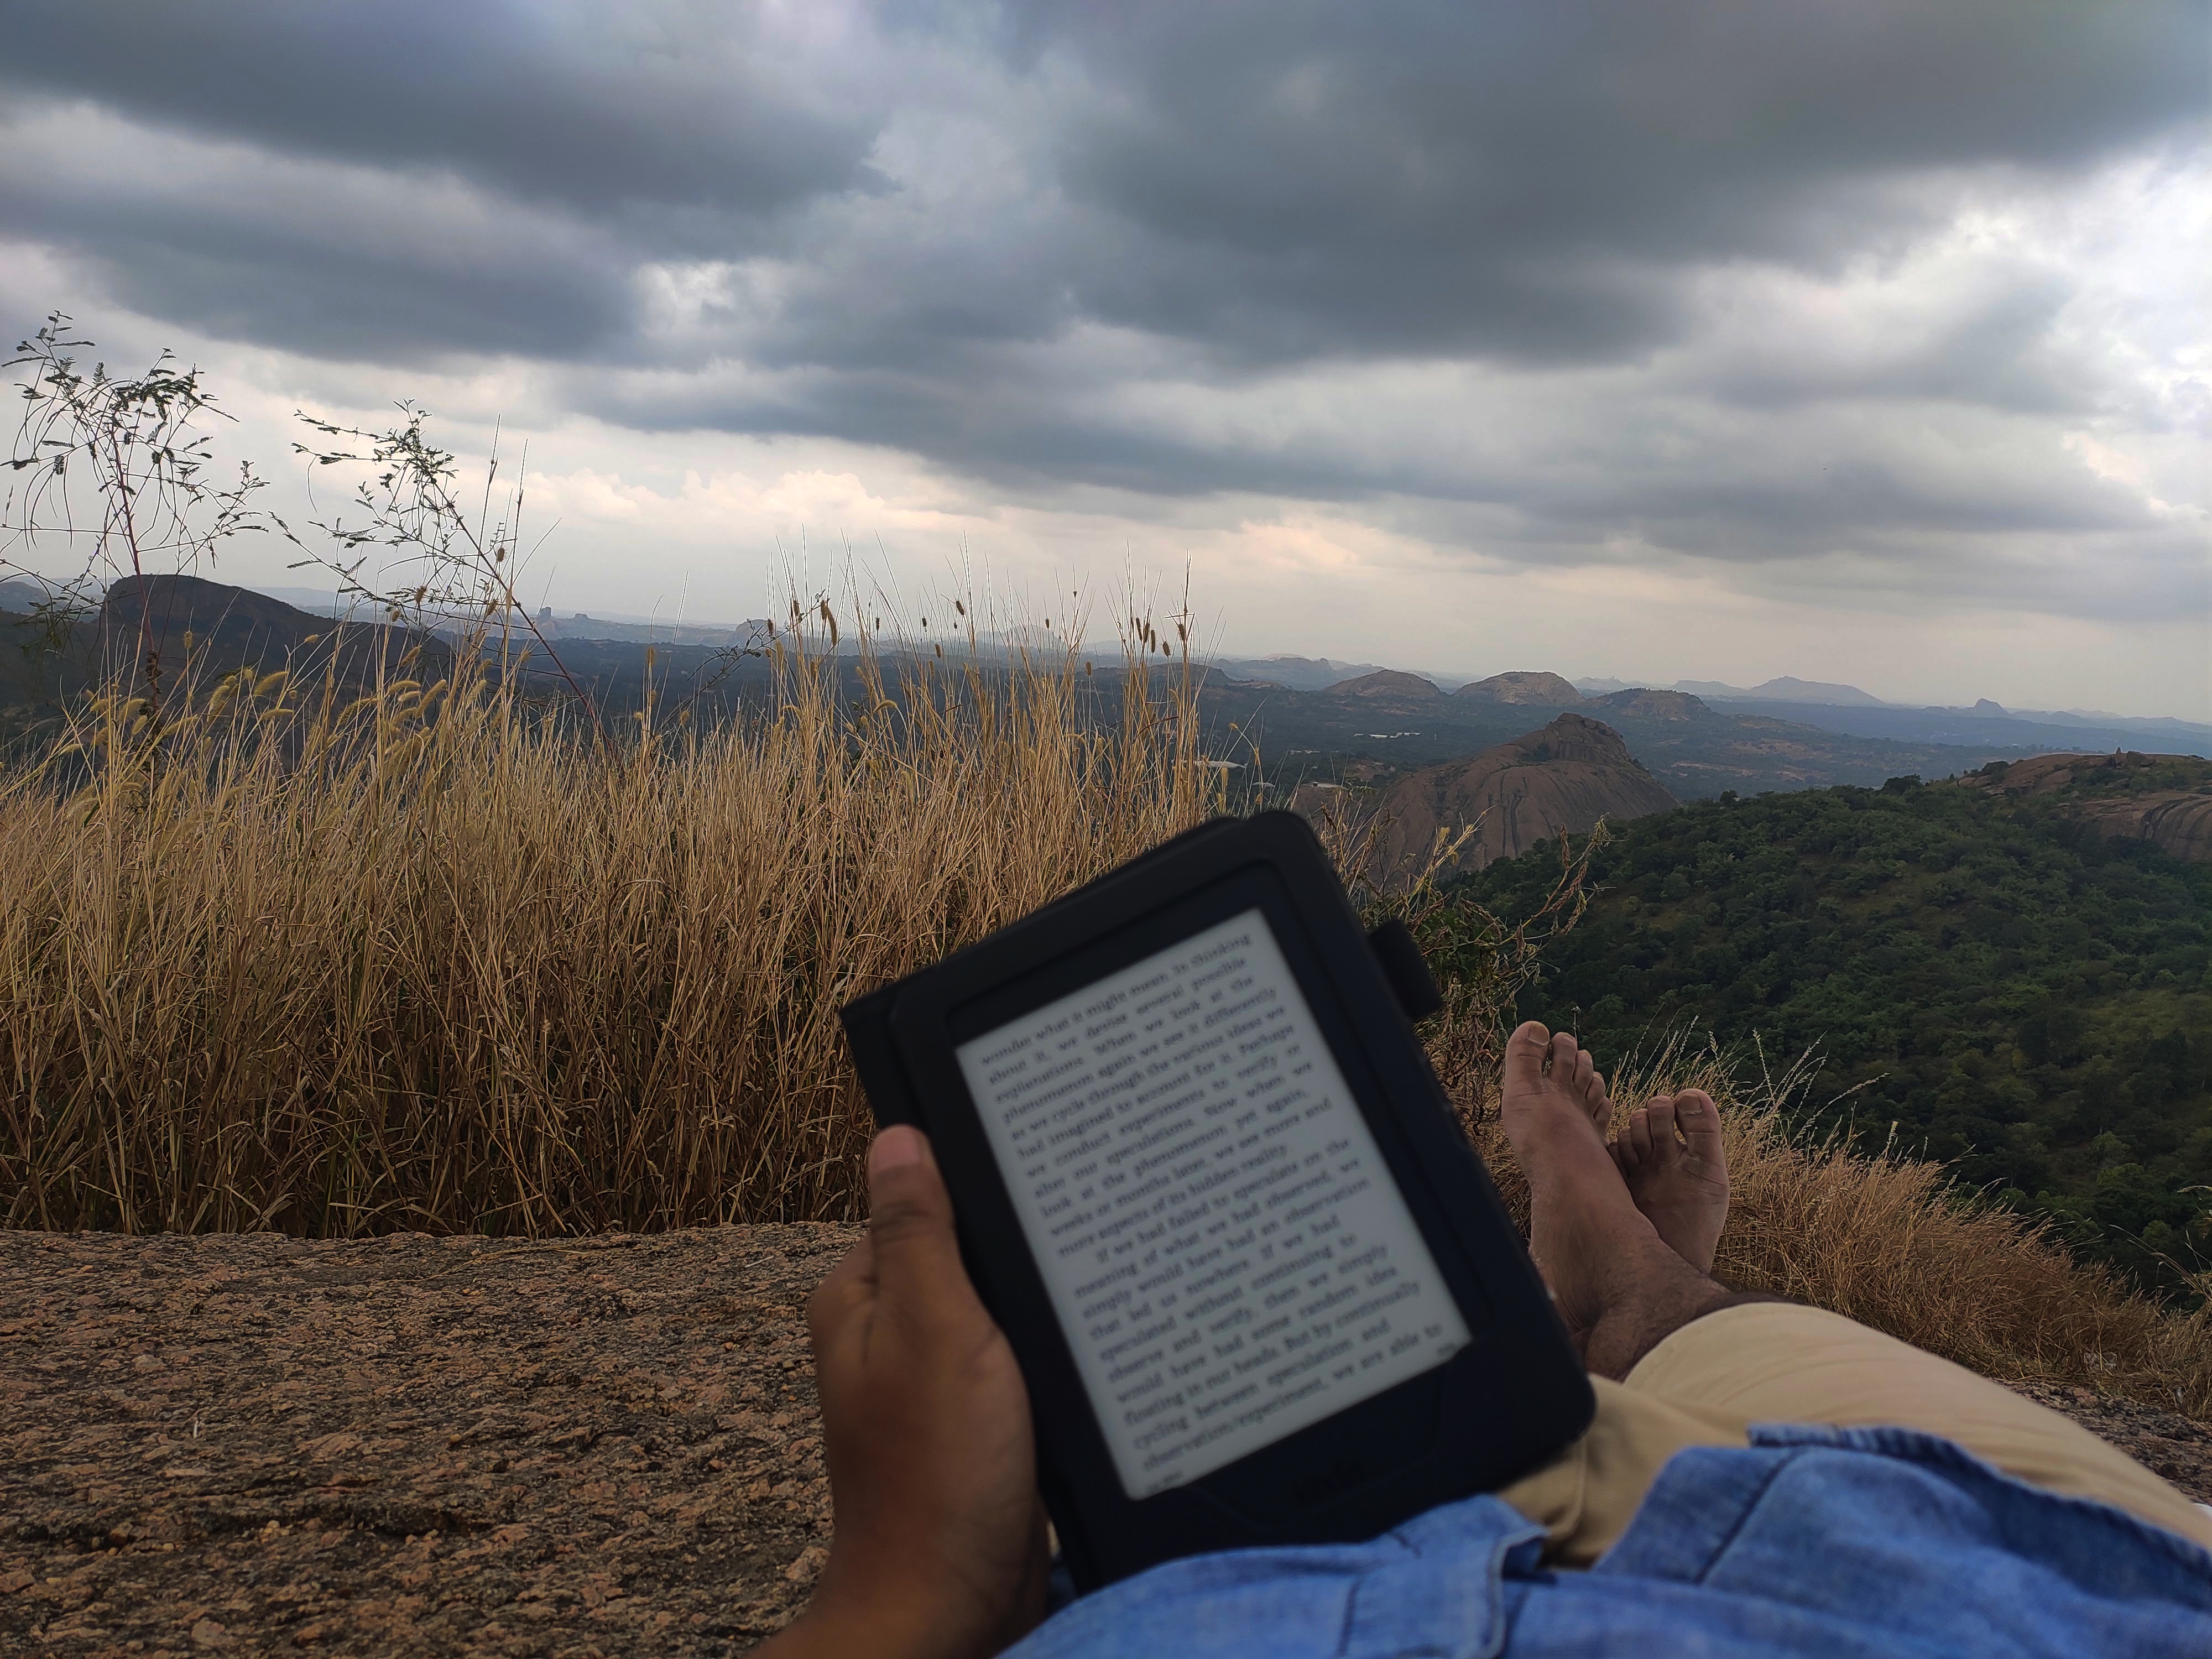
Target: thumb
[{"x": 917, "y": 1256}]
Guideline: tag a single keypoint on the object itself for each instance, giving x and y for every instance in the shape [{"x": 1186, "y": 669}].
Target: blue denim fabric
[{"x": 1816, "y": 1541}]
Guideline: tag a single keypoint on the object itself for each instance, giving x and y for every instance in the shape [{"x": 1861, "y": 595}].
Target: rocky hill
[
  {"x": 1546, "y": 690},
  {"x": 2164, "y": 800},
  {"x": 235, "y": 623},
  {"x": 1388, "y": 685},
  {"x": 1566, "y": 775},
  {"x": 1640, "y": 703}
]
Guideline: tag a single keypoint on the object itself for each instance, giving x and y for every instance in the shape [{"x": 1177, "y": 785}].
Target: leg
[
  {"x": 1619, "y": 1287},
  {"x": 1785, "y": 1363},
  {"x": 1701, "y": 1362}
]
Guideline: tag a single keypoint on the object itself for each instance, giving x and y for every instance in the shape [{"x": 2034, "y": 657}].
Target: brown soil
[{"x": 587, "y": 1447}]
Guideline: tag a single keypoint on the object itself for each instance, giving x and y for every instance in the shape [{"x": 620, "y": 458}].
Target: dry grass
[
  {"x": 428, "y": 963},
  {"x": 1890, "y": 1242}
]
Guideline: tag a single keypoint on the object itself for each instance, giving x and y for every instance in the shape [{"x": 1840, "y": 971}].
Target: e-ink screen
[{"x": 1229, "y": 1257}]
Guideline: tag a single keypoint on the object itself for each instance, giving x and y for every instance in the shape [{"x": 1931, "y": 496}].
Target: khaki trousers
[{"x": 1776, "y": 1362}]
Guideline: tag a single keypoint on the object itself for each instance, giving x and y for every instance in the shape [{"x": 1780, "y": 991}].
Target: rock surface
[
  {"x": 410, "y": 1445},
  {"x": 589, "y": 1447},
  {"x": 1566, "y": 775},
  {"x": 2165, "y": 800}
]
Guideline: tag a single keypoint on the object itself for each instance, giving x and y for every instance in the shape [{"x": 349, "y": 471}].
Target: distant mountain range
[
  {"x": 1781, "y": 733},
  {"x": 1788, "y": 689},
  {"x": 1831, "y": 707},
  {"x": 1843, "y": 709},
  {"x": 1847, "y": 709},
  {"x": 1294, "y": 673}
]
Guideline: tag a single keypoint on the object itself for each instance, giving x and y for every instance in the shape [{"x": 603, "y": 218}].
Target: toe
[
  {"x": 1638, "y": 1135},
  {"x": 1565, "y": 1052},
  {"x": 1665, "y": 1149},
  {"x": 1623, "y": 1148},
  {"x": 1701, "y": 1127},
  {"x": 1526, "y": 1051},
  {"x": 1599, "y": 1102}
]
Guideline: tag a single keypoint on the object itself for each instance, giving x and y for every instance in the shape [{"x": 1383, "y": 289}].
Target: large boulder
[
  {"x": 1563, "y": 776},
  {"x": 2165, "y": 800}
]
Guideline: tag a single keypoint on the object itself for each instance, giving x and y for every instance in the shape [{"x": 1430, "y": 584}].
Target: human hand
[{"x": 939, "y": 1551}]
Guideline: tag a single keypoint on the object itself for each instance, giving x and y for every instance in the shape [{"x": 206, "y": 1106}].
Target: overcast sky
[{"x": 1863, "y": 340}]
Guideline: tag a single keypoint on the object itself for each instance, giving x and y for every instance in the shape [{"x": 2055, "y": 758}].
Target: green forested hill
[{"x": 1999, "y": 987}]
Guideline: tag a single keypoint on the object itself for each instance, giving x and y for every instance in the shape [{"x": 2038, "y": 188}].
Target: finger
[
  {"x": 846, "y": 1293},
  {"x": 916, "y": 1254}
]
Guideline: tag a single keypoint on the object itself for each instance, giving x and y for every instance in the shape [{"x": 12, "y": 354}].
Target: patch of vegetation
[{"x": 1985, "y": 983}]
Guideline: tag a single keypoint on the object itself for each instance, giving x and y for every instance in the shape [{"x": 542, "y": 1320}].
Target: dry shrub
[
  {"x": 424, "y": 961},
  {"x": 1893, "y": 1244}
]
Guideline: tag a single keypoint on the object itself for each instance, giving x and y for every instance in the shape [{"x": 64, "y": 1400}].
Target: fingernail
[{"x": 895, "y": 1148}]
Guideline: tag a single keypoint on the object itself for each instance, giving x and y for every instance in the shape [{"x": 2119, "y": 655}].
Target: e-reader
[{"x": 1259, "y": 1286}]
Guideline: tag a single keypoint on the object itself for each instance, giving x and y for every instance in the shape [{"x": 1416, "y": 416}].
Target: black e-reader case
[{"x": 1497, "y": 1409}]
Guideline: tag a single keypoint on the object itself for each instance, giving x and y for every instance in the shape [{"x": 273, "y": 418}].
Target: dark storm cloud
[
  {"x": 1051, "y": 245},
  {"x": 599, "y": 108},
  {"x": 1522, "y": 179},
  {"x": 379, "y": 275},
  {"x": 1272, "y": 181}
]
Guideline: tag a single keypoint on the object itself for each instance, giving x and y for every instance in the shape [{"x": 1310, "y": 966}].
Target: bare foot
[
  {"x": 1681, "y": 1185},
  {"x": 1617, "y": 1285}
]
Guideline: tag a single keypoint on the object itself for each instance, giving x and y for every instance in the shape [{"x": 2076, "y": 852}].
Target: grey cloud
[
  {"x": 1520, "y": 180},
  {"x": 1272, "y": 182},
  {"x": 359, "y": 264},
  {"x": 1997, "y": 351},
  {"x": 1068, "y": 246},
  {"x": 599, "y": 107}
]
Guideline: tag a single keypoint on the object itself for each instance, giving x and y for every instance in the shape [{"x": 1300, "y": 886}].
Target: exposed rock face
[
  {"x": 450, "y": 1447},
  {"x": 408, "y": 1446},
  {"x": 1549, "y": 690},
  {"x": 1653, "y": 705},
  {"x": 2165, "y": 800},
  {"x": 1388, "y": 682},
  {"x": 2180, "y": 822},
  {"x": 1565, "y": 776}
]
